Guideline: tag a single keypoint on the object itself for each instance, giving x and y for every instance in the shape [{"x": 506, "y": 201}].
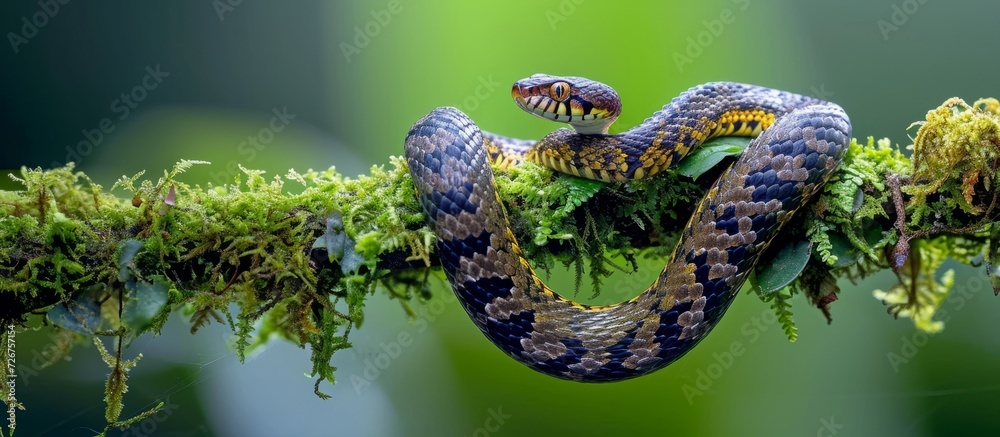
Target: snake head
[{"x": 587, "y": 105}]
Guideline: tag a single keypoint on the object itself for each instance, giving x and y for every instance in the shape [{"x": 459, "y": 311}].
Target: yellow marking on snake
[{"x": 449, "y": 165}]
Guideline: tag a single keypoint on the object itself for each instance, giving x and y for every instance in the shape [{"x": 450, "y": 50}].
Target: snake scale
[{"x": 799, "y": 141}]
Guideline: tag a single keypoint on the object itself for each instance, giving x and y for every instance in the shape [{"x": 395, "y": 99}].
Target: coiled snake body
[{"x": 803, "y": 140}]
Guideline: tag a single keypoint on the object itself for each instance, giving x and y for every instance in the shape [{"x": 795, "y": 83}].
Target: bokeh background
[{"x": 200, "y": 77}]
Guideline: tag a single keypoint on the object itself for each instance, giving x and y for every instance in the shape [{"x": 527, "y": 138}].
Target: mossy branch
[{"x": 299, "y": 255}]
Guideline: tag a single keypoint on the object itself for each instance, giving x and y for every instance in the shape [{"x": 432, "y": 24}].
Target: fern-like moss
[{"x": 855, "y": 199}]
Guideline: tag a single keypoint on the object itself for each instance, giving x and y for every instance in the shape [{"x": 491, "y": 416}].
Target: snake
[{"x": 798, "y": 143}]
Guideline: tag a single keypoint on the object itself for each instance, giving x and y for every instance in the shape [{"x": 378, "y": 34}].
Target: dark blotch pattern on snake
[{"x": 802, "y": 141}]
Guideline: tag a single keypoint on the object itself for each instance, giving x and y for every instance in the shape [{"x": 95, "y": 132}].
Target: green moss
[
  {"x": 855, "y": 200},
  {"x": 882, "y": 210},
  {"x": 956, "y": 139},
  {"x": 921, "y": 291},
  {"x": 246, "y": 243},
  {"x": 952, "y": 210},
  {"x": 579, "y": 222},
  {"x": 297, "y": 256}
]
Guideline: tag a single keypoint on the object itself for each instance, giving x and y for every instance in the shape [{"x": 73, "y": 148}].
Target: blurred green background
[{"x": 199, "y": 78}]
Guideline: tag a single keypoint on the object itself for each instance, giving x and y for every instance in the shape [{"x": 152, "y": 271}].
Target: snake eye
[{"x": 559, "y": 91}]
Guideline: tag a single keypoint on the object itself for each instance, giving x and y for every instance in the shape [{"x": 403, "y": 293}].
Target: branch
[{"x": 301, "y": 253}]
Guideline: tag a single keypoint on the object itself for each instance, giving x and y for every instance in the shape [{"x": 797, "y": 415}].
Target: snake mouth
[
  {"x": 532, "y": 101},
  {"x": 518, "y": 93}
]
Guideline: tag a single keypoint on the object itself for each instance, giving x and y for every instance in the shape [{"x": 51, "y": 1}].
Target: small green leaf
[
  {"x": 845, "y": 251},
  {"x": 710, "y": 154},
  {"x": 145, "y": 301},
  {"x": 333, "y": 242},
  {"x": 82, "y": 315},
  {"x": 333, "y": 239},
  {"x": 581, "y": 189},
  {"x": 842, "y": 248},
  {"x": 351, "y": 261},
  {"x": 126, "y": 253},
  {"x": 994, "y": 273},
  {"x": 873, "y": 234},
  {"x": 339, "y": 246},
  {"x": 788, "y": 262}
]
